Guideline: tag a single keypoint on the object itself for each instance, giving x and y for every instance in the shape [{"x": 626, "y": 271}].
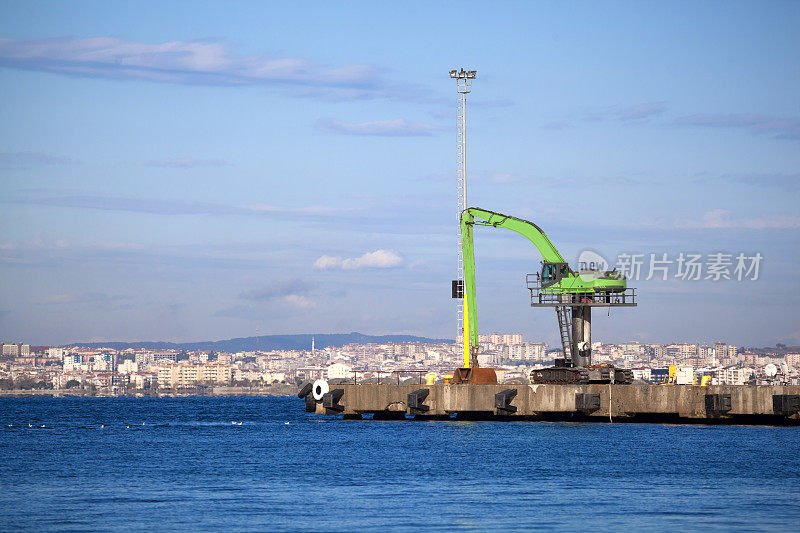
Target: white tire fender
[{"x": 320, "y": 389}]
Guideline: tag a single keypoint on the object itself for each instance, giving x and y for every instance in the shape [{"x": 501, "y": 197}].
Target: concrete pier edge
[{"x": 681, "y": 404}]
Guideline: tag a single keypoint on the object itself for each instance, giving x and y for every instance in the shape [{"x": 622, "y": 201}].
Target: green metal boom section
[{"x": 557, "y": 277}]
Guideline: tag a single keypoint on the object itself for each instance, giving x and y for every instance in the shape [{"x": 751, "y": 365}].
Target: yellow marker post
[{"x": 466, "y": 334}]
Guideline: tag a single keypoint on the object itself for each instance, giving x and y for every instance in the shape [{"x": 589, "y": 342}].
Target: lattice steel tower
[{"x": 464, "y": 85}]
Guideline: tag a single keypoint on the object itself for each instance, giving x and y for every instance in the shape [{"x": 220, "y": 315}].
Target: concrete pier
[{"x": 774, "y": 405}]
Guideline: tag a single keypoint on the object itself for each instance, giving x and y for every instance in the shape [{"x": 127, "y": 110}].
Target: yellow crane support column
[{"x": 466, "y": 334}]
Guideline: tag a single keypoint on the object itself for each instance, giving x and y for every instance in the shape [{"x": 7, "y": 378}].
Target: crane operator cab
[{"x": 552, "y": 273}]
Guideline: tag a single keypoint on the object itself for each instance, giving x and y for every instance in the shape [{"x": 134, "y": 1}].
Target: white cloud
[
  {"x": 376, "y": 259},
  {"x": 187, "y": 162},
  {"x": 637, "y": 112},
  {"x": 556, "y": 125},
  {"x": 641, "y": 111},
  {"x": 723, "y": 219},
  {"x": 58, "y": 298},
  {"x": 298, "y": 300},
  {"x": 118, "y": 245},
  {"x": 159, "y": 206},
  {"x": 307, "y": 210},
  {"x": 379, "y": 128},
  {"x": 201, "y": 62},
  {"x": 79, "y": 298},
  {"x": 292, "y": 292},
  {"x": 33, "y": 158},
  {"x": 500, "y": 177},
  {"x": 327, "y": 262},
  {"x": 787, "y": 127}
]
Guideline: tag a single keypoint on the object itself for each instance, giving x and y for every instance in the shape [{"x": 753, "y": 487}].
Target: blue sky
[{"x": 192, "y": 171}]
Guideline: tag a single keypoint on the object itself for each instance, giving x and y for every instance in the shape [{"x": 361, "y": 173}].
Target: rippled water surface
[{"x": 180, "y": 463}]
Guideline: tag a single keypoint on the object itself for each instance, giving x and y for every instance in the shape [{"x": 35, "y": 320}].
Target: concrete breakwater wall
[{"x": 594, "y": 402}]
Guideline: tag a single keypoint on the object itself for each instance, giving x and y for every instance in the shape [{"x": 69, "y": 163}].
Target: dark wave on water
[{"x": 262, "y": 464}]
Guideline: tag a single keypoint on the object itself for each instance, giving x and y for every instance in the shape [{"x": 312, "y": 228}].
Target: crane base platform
[
  {"x": 560, "y": 375},
  {"x": 680, "y": 404},
  {"x": 474, "y": 376},
  {"x": 542, "y": 298}
]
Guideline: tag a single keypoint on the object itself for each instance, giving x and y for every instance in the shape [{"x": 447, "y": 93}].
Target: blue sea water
[{"x": 179, "y": 463}]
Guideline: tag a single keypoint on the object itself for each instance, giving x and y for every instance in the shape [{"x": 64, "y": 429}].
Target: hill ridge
[{"x": 300, "y": 341}]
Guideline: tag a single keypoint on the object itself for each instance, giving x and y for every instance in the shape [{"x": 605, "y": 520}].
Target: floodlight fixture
[{"x": 464, "y": 74}]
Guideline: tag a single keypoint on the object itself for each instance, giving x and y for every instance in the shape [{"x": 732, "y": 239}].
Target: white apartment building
[
  {"x": 733, "y": 352},
  {"x": 528, "y": 351},
  {"x": 60, "y": 380},
  {"x": 705, "y": 354},
  {"x": 73, "y": 363},
  {"x": 680, "y": 351},
  {"x": 311, "y": 373},
  {"x": 684, "y": 375},
  {"x": 340, "y": 370},
  {"x": 142, "y": 380},
  {"x": 258, "y": 375},
  {"x": 631, "y": 348},
  {"x": 11, "y": 350},
  {"x": 187, "y": 375},
  {"x": 737, "y": 376},
  {"x": 433, "y": 355},
  {"x": 143, "y": 358},
  {"x": 56, "y": 353},
  {"x": 505, "y": 338},
  {"x": 128, "y": 367}
]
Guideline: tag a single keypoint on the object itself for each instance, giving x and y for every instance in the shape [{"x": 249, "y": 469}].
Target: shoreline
[{"x": 166, "y": 393}]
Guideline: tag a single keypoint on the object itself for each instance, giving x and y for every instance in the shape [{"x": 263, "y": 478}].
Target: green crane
[{"x": 559, "y": 284}]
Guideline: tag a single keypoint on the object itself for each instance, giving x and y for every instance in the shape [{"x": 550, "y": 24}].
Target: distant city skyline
[
  {"x": 306, "y": 342},
  {"x": 208, "y": 171},
  {"x": 136, "y": 369}
]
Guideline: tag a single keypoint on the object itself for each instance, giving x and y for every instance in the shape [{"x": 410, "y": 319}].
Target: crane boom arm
[{"x": 482, "y": 217}]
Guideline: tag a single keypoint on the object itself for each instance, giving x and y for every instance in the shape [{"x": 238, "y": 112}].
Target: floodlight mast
[{"x": 464, "y": 85}]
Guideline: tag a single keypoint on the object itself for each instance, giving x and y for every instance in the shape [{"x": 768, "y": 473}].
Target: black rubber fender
[{"x": 305, "y": 390}]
